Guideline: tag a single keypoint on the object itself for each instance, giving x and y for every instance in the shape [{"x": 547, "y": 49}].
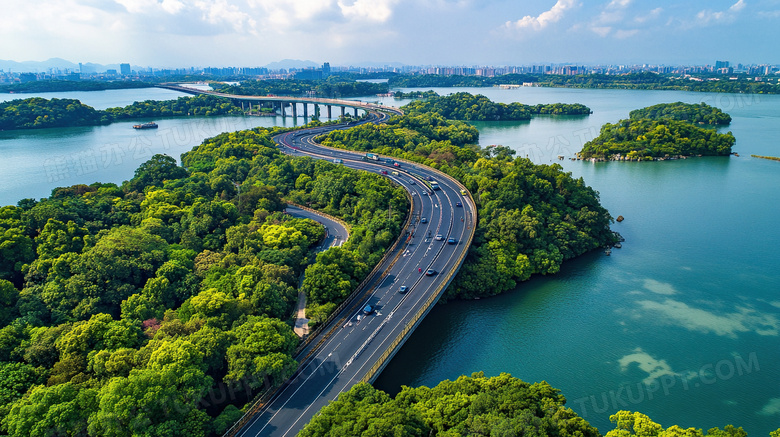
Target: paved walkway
[{"x": 335, "y": 235}]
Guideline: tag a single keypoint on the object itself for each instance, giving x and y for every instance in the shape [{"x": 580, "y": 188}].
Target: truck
[{"x": 372, "y": 156}]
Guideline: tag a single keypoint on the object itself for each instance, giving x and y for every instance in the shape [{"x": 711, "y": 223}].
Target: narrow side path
[{"x": 336, "y": 233}]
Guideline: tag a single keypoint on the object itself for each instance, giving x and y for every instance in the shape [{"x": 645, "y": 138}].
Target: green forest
[
  {"x": 479, "y": 406},
  {"x": 130, "y": 309},
  {"x": 662, "y": 130},
  {"x": 37, "y": 112},
  {"x": 469, "y": 107},
  {"x": 531, "y": 217},
  {"x": 54, "y": 85},
  {"x": 633, "y": 81},
  {"x": 690, "y": 113},
  {"x": 334, "y": 87}
]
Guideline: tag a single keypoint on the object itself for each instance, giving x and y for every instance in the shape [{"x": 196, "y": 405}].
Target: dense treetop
[
  {"x": 55, "y": 85},
  {"x": 465, "y": 106},
  {"x": 695, "y": 114},
  {"x": 37, "y": 112},
  {"x": 123, "y": 307},
  {"x": 645, "y": 139},
  {"x": 479, "y": 406},
  {"x": 531, "y": 217},
  {"x": 664, "y": 129},
  {"x": 475, "y": 406}
]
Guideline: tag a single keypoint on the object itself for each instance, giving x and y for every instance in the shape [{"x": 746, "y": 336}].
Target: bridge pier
[
  {"x": 305, "y": 111},
  {"x": 342, "y": 111},
  {"x": 356, "y": 110},
  {"x": 294, "y": 110},
  {"x": 329, "y": 116}
]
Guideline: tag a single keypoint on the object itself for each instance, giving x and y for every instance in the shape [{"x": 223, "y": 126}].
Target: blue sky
[{"x": 173, "y": 33}]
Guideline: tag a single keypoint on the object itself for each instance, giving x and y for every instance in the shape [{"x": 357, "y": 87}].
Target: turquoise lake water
[{"x": 682, "y": 323}]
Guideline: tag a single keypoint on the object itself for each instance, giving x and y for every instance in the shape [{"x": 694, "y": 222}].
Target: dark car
[
  {"x": 430, "y": 272},
  {"x": 384, "y": 171},
  {"x": 403, "y": 289},
  {"x": 451, "y": 241},
  {"x": 458, "y": 204},
  {"x": 424, "y": 220}
]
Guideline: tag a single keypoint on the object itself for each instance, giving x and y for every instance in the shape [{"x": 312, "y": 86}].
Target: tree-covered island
[
  {"x": 38, "y": 113},
  {"x": 469, "y": 107},
  {"x": 662, "y": 131}
]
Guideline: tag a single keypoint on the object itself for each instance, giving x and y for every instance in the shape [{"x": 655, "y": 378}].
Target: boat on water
[{"x": 150, "y": 125}]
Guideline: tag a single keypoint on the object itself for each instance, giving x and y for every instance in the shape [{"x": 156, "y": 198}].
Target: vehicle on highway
[
  {"x": 425, "y": 193},
  {"x": 395, "y": 173},
  {"x": 368, "y": 309},
  {"x": 451, "y": 240},
  {"x": 338, "y": 161},
  {"x": 395, "y": 164},
  {"x": 439, "y": 237},
  {"x": 411, "y": 181},
  {"x": 424, "y": 220},
  {"x": 434, "y": 186},
  {"x": 403, "y": 289},
  {"x": 458, "y": 204},
  {"x": 430, "y": 272},
  {"x": 383, "y": 172},
  {"x": 463, "y": 192}
]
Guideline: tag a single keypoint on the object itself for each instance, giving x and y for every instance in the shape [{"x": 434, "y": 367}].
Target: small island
[
  {"x": 469, "y": 107},
  {"x": 665, "y": 131}
]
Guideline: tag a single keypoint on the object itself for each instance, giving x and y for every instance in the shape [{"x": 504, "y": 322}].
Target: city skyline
[{"x": 172, "y": 33}]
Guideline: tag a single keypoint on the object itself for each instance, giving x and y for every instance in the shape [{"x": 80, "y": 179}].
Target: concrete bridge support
[
  {"x": 342, "y": 111},
  {"x": 329, "y": 116},
  {"x": 294, "y": 110},
  {"x": 356, "y": 110},
  {"x": 305, "y": 111}
]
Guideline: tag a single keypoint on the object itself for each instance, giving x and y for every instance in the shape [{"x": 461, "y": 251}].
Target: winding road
[{"x": 356, "y": 346}]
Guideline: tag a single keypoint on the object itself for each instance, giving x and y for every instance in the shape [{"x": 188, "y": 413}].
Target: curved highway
[{"x": 356, "y": 346}]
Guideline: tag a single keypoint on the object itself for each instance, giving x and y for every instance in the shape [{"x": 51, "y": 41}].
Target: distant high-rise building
[
  {"x": 124, "y": 69},
  {"x": 721, "y": 64},
  {"x": 81, "y": 68},
  {"x": 326, "y": 69}
]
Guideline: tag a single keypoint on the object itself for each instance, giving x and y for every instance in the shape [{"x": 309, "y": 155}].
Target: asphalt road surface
[{"x": 354, "y": 343}]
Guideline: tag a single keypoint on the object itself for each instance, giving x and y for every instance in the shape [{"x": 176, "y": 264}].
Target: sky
[{"x": 249, "y": 33}]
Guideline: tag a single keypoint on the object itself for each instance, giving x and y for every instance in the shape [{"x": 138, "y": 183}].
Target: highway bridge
[
  {"x": 356, "y": 344},
  {"x": 281, "y": 103}
]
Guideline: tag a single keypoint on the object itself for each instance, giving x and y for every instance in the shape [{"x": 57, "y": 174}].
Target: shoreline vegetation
[
  {"x": 663, "y": 131},
  {"x": 771, "y": 158},
  {"x": 182, "y": 279},
  {"x": 468, "y": 107},
  {"x": 631, "y": 81},
  {"x": 40, "y": 113},
  {"x": 477, "y": 405},
  {"x": 531, "y": 217}
]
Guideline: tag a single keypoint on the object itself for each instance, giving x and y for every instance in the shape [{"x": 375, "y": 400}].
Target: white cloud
[
  {"x": 545, "y": 18},
  {"x": 611, "y": 15},
  {"x": 650, "y": 15},
  {"x": 372, "y": 10},
  {"x": 708, "y": 16}
]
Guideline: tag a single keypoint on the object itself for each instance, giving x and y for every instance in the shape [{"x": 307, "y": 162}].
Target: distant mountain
[
  {"x": 291, "y": 63},
  {"x": 43, "y": 66}
]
